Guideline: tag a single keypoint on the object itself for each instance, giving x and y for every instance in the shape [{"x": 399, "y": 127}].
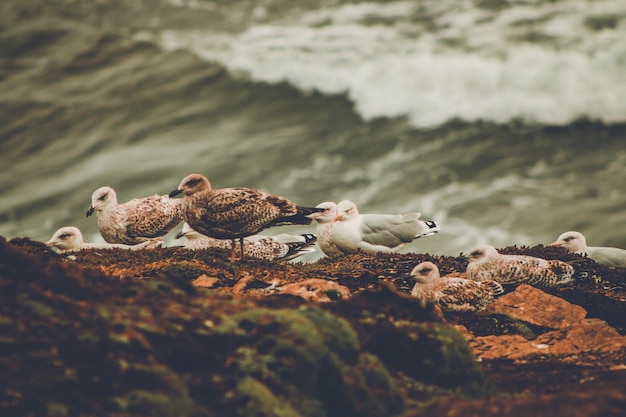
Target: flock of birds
[{"x": 235, "y": 216}]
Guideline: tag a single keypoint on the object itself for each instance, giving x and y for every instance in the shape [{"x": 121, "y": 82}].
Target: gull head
[
  {"x": 191, "y": 184},
  {"x": 482, "y": 253},
  {"x": 425, "y": 272},
  {"x": 102, "y": 198},
  {"x": 572, "y": 241},
  {"x": 346, "y": 210},
  {"x": 66, "y": 239},
  {"x": 327, "y": 215}
]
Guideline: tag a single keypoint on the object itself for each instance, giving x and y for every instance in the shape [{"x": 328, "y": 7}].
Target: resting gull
[
  {"x": 234, "y": 213},
  {"x": 353, "y": 232},
  {"x": 323, "y": 231},
  {"x": 135, "y": 221},
  {"x": 485, "y": 263},
  {"x": 576, "y": 242},
  {"x": 452, "y": 293},
  {"x": 257, "y": 246},
  {"x": 70, "y": 239}
]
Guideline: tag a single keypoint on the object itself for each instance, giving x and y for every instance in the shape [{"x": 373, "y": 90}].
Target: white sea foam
[{"x": 435, "y": 61}]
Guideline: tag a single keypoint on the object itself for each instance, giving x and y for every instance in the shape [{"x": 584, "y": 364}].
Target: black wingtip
[{"x": 309, "y": 238}]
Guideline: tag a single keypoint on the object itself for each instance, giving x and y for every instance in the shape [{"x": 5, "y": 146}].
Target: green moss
[
  {"x": 334, "y": 294},
  {"x": 524, "y": 330},
  {"x": 57, "y": 409},
  {"x": 257, "y": 400},
  {"x": 37, "y": 308},
  {"x": 160, "y": 404},
  {"x": 339, "y": 336},
  {"x": 372, "y": 389},
  {"x": 310, "y": 361},
  {"x": 431, "y": 354},
  {"x": 88, "y": 338},
  {"x": 448, "y": 360},
  {"x": 519, "y": 326},
  {"x": 168, "y": 397}
]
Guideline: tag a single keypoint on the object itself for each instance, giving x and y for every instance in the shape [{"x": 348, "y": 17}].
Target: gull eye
[
  {"x": 102, "y": 197},
  {"x": 476, "y": 253},
  {"x": 424, "y": 270},
  {"x": 65, "y": 236},
  {"x": 192, "y": 183}
]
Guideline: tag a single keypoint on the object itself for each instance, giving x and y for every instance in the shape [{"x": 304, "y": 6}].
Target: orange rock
[
  {"x": 204, "y": 281},
  {"x": 536, "y": 307},
  {"x": 494, "y": 347},
  {"x": 588, "y": 335},
  {"x": 315, "y": 289},
  {"x": 242, "y": 284}
]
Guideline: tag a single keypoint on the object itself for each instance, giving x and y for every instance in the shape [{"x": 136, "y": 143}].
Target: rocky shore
[{"x": 172, "y": 332}]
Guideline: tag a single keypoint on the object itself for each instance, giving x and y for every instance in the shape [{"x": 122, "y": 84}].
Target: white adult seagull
[
  {"x": 576, "y": 242},
  {"x": 353, "y": 232}
]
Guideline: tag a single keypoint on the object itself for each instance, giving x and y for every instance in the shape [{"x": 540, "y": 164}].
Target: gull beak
[
  {"x": 49, "y": 243},
  {"x": 175, "y": 193},
  {"x": 554, "y": 244},
  {"x": 90, "y": 211},
  {"x": 179, "y": 235},
  {"x": 337, "y": 218}
]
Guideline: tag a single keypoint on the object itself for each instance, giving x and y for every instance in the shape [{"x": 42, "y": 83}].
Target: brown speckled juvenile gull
[
  {"x": 486, "y": 263},
  {"x": 260, "y": 247},
  {"x": 576, "y": 242},
  {"x": 353, "y": 232},
  {"x": 452, "y": 293},
  {"x": 323, "y": 231},
  {"x": 234, "y": 213},
  {"x": 135, "y": 221},
  {"x": 70, "y": 239}
]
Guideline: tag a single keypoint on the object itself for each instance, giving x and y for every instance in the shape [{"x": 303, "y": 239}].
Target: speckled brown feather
[
  {"x": 237, "y": 212},
  {"x": 454, "y": 293},
  {"x": 266, "y": 247},
  {"x": 520, "y": 269},
  {"x": 140, "y": 219}
]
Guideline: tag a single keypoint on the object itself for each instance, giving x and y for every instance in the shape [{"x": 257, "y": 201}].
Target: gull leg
[
  {"x": 233, "y": 249},
  {"x": 241, "y": 245}
]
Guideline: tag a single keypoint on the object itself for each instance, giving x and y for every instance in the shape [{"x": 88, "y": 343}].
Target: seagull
[
  {"x": 323, "y": 231},
  {"x": 485, "y": 263},
  {"x": 234, "y": 213},
  {"x": 452, "y": 294},
  {"x": 353, "y": 232},
  {"x": 576, "y": 242},
  {"x": 135, "y": 221},
  {"x": 256, "y": 246},
  {"x": 286, "y": 238},
  {"x": 70, "y": 239}
]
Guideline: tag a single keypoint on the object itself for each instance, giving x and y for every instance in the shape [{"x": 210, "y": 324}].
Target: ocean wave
[{"x": 545, "y": 63}]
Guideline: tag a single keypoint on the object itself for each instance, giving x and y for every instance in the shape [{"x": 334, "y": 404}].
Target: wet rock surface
[{"x": 174, "y": 332}]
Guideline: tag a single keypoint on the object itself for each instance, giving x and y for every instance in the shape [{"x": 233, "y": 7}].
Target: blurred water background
[{"x": 503, "y": 121}]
